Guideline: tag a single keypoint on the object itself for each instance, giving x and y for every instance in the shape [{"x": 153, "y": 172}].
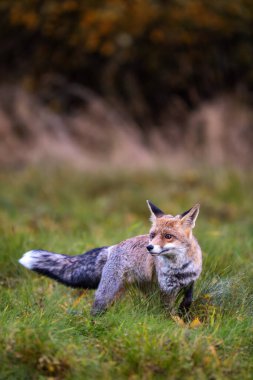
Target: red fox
[{"x": 169, "y": 256}]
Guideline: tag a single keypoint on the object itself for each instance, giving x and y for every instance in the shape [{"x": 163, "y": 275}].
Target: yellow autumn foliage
[{"x": 180, "y": 47}]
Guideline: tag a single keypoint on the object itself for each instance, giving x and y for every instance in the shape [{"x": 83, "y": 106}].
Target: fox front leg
[
  {"x": 109, "y": 288},
  {"x": 187, "y": 300}
]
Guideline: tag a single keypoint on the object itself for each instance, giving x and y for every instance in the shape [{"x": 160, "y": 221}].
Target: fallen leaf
[
  {"x": 179, "y": 321},
  {"x": 195, "y": 323}
]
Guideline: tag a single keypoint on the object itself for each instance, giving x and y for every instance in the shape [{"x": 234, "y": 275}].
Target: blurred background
[
  {"x": 104, "y": 104},
  {"x": 126, "y": 84}
]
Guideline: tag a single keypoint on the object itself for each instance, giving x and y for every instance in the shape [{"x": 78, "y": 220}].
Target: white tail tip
[{"x": 27, "y": 260}]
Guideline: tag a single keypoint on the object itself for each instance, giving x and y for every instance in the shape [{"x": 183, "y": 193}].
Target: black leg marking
[{"x": 187, "y": 300}]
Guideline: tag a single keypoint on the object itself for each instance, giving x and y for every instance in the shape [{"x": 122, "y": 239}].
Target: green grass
[{"x": 46, "y": 329}]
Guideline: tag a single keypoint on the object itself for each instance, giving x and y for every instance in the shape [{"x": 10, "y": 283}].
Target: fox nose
[{"x": 150, "y": 247}]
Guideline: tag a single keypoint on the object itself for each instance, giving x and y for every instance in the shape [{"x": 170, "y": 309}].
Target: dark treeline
[{"x": 143, "y": 54}]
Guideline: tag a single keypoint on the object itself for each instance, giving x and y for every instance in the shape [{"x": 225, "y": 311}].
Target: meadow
[{"x": 46, "y": 329}]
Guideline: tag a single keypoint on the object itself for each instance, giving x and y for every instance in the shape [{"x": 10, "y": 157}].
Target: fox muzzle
[{"x": 154, "y": 249}]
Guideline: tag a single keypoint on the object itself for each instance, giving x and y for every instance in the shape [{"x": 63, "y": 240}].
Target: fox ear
[
  {"x": 155, "y": 211},
  {"x": 188, "y": 218}
]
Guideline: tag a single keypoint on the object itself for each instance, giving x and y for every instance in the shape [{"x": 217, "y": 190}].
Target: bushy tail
[{"x": 82, "y": 271}]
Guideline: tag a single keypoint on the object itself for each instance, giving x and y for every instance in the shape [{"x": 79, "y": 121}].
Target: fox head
[{"x": 171, "y": 235}]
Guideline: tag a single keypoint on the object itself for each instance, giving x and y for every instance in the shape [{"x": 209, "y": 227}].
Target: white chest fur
[{"x": 174, "y": 273}]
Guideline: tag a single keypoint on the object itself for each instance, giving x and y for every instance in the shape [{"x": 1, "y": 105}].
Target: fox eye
[
  {"x": 152, "y": 235},
  {"x": 168, "y": 236}
]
